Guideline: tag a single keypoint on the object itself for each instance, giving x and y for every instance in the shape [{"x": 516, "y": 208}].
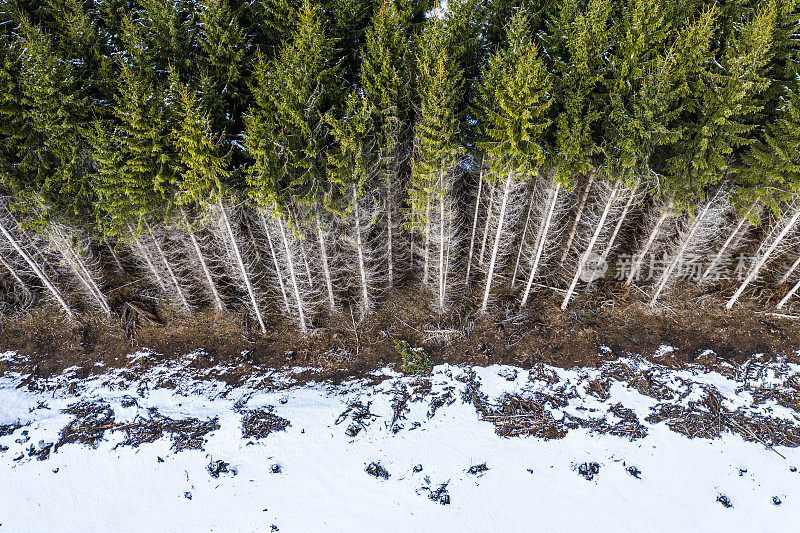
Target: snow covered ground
[{"x": 167, "y": 452}]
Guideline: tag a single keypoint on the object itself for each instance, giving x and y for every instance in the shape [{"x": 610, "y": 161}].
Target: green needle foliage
[{"x": 517, "y": 98}]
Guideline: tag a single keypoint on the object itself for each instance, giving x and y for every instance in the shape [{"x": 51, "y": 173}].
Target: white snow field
[{"x": 435, "y": 438}]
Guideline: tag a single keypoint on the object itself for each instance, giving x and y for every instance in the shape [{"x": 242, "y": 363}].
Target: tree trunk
[
  {"x": 240, "y": 261},
  {"x": 522, "y": 243},
  {"x": 486, "y": 226},
  {"x": 722, "y": 250},
  {"x": 147, "y": 259},
  {"x": 789, "y": 272},
  {"x": 33, "y": 245},
  {"x": 760, "y": 264},
  {"x": 325, "y": 268},
  {"x": 14, "y": 275},
  {"x": 589, "y": 249},
  {"x": 85, "y": 277},
  {"x": 38, "y": 271},
  {"x": 638, "y": 263},
  {"x": 474, "y": 226},
  {"x": 498, "y": 235},
  {"x": 574, "y": 229},
  {"x": 365, "y": 302},
  {"x": 541, "y": 242},
  {"x": 206, "y": 272},
  {"x": 426, "y": 257},
  {"x": 789, "y": 295},
  {"x": 171, "y": 273},
  {"x": 293, "y": 277},
  {"x": 115, "y": 257},
  {"x": 252, "y": 237},
  {"x": 442, "y": 266},
  {"x": 615, "y": 233},
  {"x": 389, "y": 208},
  {"x": 668, "y": 272},
  {"x": 278, "y": 272}
]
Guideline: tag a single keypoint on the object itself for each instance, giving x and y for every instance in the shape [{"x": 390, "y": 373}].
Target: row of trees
[{"x": 311, "y": 157}]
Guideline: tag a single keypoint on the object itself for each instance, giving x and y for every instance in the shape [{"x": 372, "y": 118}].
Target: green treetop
[
  {"x": 579, "y": 43},
  {"x": 296, "y": 90},
  {"x": 223, "y": 47},
  {"x": 517, "y": 98},
  {"x": 436, "y": 131},
  {"x": 201, "y": 159},
  {"x": 724, "y": 106}
]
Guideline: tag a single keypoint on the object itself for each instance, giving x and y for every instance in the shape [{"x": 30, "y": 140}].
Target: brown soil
[{"x": 345, "y": 347}]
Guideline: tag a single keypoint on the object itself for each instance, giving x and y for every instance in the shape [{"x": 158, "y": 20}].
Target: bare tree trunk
[
  {"x": 722, "y": 250},
  {"x": 300, "y": 310},
  {"x": 82, "y": 272},
  {"x": 365, "y": 301},
  {"x": 389, "y": 208},
  {"x": 325, "y": 268},
  {"x": 615, "y": 233},
  {"x": 38, "y": 271},
  {"x": 589, "y": 248},
  {"x": 14, "y": 275},
  {"x": 540, "y": 244},
  {"x": 442, "y": 266},
  {"x": 498, "y": 235},
  {"x": 240, "y": 261},
  {"x": 474, "y": 225},
  {"x": 668, "y": 272},
  {"x": 115, "y": 257},
  {"x": 582, "y": 205},
  {"x": 278, "y": 272},
  {"x": 206, "y": 272},
  {"x": 789, "y": 295},
  {"x": 760, "y": 264},
  {"x": 486, "y": 226},
  {"x": 522, "y": 243},
  {"x": 171, "y": 273},
  {"x": 638, "y": 263},
  {"x": 789, "y": 272},
  {"x": 426, "y": 257},
  {"x": 33, "y": 245},
  {"x": 252, "y": 237}
]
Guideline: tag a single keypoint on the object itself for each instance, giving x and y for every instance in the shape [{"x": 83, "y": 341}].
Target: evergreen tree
[
  {"x": 386, "y": 78},
  {"x": 518, "y": 95},
  {"x": 771, "y": 170},
  {"x": 437, "y": 149},
  {"x": 132, "y": 155},
  {"x": 579, "y": 43},
  {"x": 223, "y": 48},
  {"x": 726, "y": 102}
]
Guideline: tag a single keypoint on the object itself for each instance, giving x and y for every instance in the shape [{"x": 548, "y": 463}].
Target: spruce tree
[
  {"x": 386, "y": 78},
  {"x": 296, "y": 91},
  {"x": 517, "y": 98},
  {"x": 437, "y": 149}
]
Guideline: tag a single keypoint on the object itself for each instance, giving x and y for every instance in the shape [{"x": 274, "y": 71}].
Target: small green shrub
[{"x": 415, "y": 360}]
